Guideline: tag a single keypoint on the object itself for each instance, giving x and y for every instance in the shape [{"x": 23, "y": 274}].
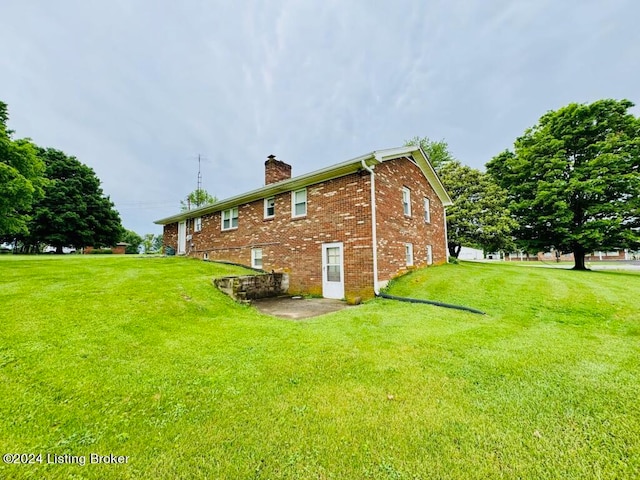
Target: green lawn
[{"x": 142, "y": 357}]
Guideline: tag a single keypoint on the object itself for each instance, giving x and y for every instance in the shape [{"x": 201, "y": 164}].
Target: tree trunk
[
  {"x": 59, "y": 250},
  {"x": 578, "y": 256},
  {"x": 454, "y": 250}
]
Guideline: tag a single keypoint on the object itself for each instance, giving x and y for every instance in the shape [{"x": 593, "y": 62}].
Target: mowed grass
[{"x": 143, "y": 357}]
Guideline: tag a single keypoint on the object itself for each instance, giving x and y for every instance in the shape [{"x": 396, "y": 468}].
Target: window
[
  {"x": 256, "y": 258},
  {"x": 299, "y": 203},
  {"x": 269, "y": 207},
  {"x": 429, "y": 255},
  {"x": 230, "y": 218},
  {"x": 427, "y": 210},
  {"x": 406, "y": 201},
  {"x": 197, "y": 225},
  {"x": 408, "y": 250}
]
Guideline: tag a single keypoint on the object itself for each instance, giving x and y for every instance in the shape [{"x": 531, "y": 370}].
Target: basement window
[
  {"x": 230, "y": 218},
  {"x": 256, "y": 258},
  {"x": 299, "y": 203},
  {"x": 408, "y": 251}
]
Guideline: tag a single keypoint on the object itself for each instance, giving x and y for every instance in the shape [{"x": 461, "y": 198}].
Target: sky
[{"x": 139, "y": 89}]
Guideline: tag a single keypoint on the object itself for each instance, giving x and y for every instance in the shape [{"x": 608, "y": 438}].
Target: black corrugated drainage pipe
[{"x": 430, "y": 302}]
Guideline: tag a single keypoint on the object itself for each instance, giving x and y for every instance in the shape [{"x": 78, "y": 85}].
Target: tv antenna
[{"x": 199, "y": 175}]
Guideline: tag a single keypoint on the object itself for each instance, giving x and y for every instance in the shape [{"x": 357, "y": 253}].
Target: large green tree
[
  {"x": 574, "y": 179},
  {"x": 478, "y": 217},
  {"x": 21, "y": 180},
  {"x": 74, "y": 211}
]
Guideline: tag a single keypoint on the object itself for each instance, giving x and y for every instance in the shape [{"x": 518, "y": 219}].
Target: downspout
[
  {"x": 446, "y": 234},
  {"x": 374, "y": 234}
]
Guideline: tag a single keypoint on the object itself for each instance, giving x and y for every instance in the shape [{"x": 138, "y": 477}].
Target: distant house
[
  {"x": 555, "y": 255},
  {"x": 468, "y": 253},
  {"x": 118, "y": 249},
  {"x": 342, "y": 231}
]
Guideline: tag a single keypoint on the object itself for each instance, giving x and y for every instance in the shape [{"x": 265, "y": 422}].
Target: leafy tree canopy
[
  {"x": 197, "y": 198},
  {"x": 152, "y": 243},
  {"x": 478, "y": 217},
  {"x": 21, "y": 179},
  {"x": 574, "y": 179},
  {"x": 74, "y": 211},
  {"x": 437, "y": 151},
  {"x": 133, "y": 239}
]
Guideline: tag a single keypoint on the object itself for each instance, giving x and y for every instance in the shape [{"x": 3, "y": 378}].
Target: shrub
[{"x": 101, "y": 251}]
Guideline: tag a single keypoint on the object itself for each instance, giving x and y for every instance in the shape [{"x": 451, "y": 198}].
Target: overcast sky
[{"x": 137, "y": 89}]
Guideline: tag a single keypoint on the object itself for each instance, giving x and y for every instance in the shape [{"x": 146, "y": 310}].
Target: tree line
[
  {"x": 51, "y": 199},
  {"x": 570, "y": 184}
]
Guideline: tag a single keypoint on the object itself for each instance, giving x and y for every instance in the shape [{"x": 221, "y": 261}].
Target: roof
[{"x": 334, "y": 171}]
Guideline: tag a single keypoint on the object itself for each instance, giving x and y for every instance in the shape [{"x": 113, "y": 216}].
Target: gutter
[
  {"x": 374, "y": 229},
  {"x": 446, "y": 234}
]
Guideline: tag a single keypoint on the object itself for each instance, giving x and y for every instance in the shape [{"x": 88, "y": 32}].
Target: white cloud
[{"x": 138, "y": 89}]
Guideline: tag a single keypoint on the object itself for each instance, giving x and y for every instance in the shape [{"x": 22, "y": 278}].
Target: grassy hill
[{"x": 142, "y": 357}]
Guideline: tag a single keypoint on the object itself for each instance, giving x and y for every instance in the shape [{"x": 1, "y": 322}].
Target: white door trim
[
  {"x": 333, "y": 270},
  {"x": 182, "y": 237}
]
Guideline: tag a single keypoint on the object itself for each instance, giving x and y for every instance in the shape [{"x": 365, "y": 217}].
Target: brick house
[{"x": 341, "y": 232}]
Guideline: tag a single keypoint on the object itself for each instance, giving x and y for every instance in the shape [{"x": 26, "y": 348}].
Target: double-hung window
[
  {"x": 230, "y": 218},
  {"x": 406, "y": 201},
  {"x": 197, "y": 224},
  {"x": 427, "y": 210},
  {"x": 299, "y": 203},
  {"x": 269, "y": 207}
]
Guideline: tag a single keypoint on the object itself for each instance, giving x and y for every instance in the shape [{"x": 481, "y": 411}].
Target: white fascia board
[
  {"x": 290, "y": 184},
  {"x": 318, "y": 176},
  {"x": 425, "y": 164}
]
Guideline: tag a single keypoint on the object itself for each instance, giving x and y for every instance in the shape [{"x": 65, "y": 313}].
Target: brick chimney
[{"x": 275, "y": 170}]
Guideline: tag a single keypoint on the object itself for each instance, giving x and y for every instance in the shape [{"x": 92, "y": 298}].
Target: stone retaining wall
[{"x": 250, "y": 287}]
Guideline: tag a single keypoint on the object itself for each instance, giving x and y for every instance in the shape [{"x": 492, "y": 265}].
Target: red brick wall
[
  {"x": 170, "y": 236},
  {"x": 394, "y": 229},
  {"x": 338, "y": 210}
]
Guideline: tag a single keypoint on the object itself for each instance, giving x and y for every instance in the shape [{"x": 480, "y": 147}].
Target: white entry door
[
  {"x": 182, "y": 238},
  {"x": 332, "y": 270}
]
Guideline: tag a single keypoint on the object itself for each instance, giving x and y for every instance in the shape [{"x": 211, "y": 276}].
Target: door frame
[
  {"x": 182, "y": 238},
  {"x": 332, "y": 289}
]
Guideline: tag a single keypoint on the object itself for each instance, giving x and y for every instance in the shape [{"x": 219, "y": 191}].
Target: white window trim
[
  {"x": 429, "y": 255},
  {"x": 408, "y": 253},
  {"x": 254, "y": 257},
  {"x": 406, "y": 201},
  {"x": 197, "y": 224},
  {"x": 427, "y": 210},
  {"x": 230, "y": 211},
  {"x": 293, "y": 203},
  {"x": 266, "y": 205}
]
